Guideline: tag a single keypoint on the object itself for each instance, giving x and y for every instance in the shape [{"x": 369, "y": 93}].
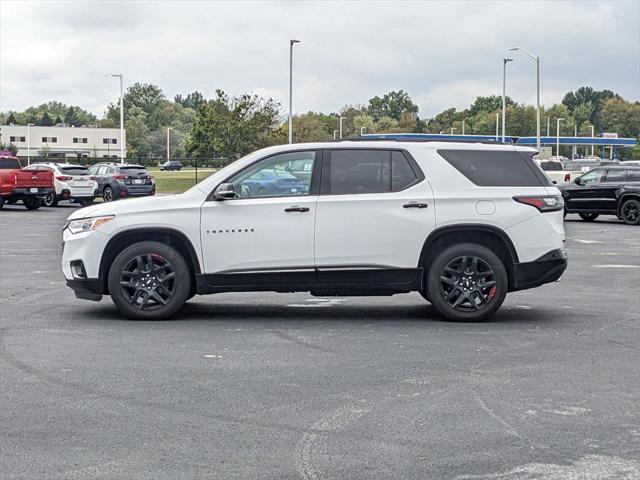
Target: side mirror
[
  {"x": 225, "y": 191},
  {"x": 577, "y": 181}
]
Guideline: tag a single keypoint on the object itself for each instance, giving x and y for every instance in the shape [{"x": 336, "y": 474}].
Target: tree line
[{"x": 230, "y": 126}]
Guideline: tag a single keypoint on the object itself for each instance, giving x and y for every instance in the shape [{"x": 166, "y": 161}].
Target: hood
[{"x": 128, "y": 205}]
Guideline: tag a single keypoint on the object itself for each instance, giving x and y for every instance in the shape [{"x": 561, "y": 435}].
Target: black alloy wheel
[
  {"x": 630, "y": 212},
  {"x": 466, "y": 282},
  {"x": 51, "y": 200},
  {"x": 149, "y": 281},
  {"x": 588, "y": 217},
  {"x": 107, "y": 194}
]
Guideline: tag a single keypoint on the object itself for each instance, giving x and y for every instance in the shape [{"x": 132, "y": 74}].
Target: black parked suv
[
  {"x": 171, "y": 165},
  {"x": 611, "y": 190},
  {"x": 119, "y": 180}
]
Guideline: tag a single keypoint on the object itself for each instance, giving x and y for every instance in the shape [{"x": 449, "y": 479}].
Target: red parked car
[{"x": 17, "y": 184}]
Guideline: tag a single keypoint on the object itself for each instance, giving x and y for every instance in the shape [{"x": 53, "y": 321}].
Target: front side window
[
  {"x": 285, "y": 174},
  {"x": 592, "y": 177}
]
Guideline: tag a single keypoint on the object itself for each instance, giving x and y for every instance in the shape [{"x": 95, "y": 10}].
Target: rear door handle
[
  {"x": 415, "y": 205},
  {"x": 295, "y": 208}
]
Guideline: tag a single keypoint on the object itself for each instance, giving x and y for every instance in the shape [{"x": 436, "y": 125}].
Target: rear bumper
[
  {"x": 545, "y": 269},
  {"x": 25, "y": 192}
]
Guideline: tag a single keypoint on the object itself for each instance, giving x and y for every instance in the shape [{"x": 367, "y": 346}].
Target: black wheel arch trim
[{"x": 193, "y": 260}]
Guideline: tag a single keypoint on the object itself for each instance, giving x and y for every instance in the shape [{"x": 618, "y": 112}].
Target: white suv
[
  {"x": 461, "y": 223},
  {"x": 71, "y": 182}
]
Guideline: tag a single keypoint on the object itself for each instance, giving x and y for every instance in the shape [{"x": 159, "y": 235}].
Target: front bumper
[
  {"x": 87, "y": 288},
  {"x": 545, "y": 269}
]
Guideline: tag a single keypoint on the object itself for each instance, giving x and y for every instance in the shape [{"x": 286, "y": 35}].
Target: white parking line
[{"x": 616, "y": 266}]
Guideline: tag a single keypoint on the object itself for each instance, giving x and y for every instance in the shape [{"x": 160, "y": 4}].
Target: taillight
[
  {"x": 120, "y": 177},
  {"x": 567, "y": 178},
  {"x": 63, "y": 178},
  {"x": 92, "y": 178},
  {"x": 543, "y": 203}
]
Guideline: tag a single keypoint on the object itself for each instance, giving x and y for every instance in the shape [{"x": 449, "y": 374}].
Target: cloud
[{"x": 443, "y": 53}]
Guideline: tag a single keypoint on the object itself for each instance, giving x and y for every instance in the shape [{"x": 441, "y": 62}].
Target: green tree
[
  {"x": 365, "y": 121},
  {"x": 488, "y": 104},
  {"x": 72, "y": 118},
  {"x": 192, "y": 100},
  {"x": 11, "y": 119},
  {"x": 9, "y": 147},
  {"x": 386, "y": 124},
  {"x": 234, "y": 126},
  {"x": 392, "y": 104},
  {"x": 45, "y": 120}
]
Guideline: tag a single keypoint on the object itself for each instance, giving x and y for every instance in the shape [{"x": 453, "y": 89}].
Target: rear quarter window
[{"x": 497, "y": 168}]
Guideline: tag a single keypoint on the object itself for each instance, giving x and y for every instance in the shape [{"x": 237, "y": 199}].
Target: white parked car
[
  {"x": 71, "y": 182},
  {"x": 461, "y": 223}
]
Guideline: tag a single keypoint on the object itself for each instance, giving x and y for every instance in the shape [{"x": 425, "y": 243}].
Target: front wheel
[
  {"x": 588, "y": 217},
  {"x": 51, "y": 200},
  {"x": 467, "y": 283},
  {"x": 149, "y": 281},
  {"x": 32, "y": 203},
  {"x": 630, "y": 212}
]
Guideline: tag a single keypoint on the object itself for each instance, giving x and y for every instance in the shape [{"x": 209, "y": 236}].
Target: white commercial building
[{"x": 62, "y": 141}]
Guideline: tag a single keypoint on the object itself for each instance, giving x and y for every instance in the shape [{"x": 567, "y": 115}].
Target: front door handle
[
  {"x": 295, "y": 208},
  {"x": 415, "y": 205}
]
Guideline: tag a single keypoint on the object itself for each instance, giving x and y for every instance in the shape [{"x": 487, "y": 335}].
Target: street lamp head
[
  {"x": 293, "y": 40},
  {"x": 505, "y": 60},
  {"x": 513, "y": 49}
]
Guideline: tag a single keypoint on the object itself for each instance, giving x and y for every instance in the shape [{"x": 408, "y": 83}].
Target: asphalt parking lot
[{"x": 242, "y": 386}]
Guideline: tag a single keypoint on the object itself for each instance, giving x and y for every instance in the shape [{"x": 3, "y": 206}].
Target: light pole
[
  {"x": 497, "y": 126},
  {"x": 592, "y": 135},
  {"x": 504, "y": 92},
  {"x": 537, "y": 59},
  {"x": 291, "y": 42},
  {"x": 168, "y": 145},
  {"x": 453, "y": 129},
  {"x": 463, "y": 127},
  {"x": 362, "y": 129},
  {"x": 558, "y": 136},
  {"x": 335, "y": 134},
  {"x": 341, "y": 119},
  {"x": 29, "y": 143},
  {"x": 548, "y": 125},
  {"x": 574, "y": 148},
  {"x": 119, "y": 75}
]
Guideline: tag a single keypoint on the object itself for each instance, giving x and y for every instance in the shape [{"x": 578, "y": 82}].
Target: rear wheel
[
  {"x": 2, "y": 200},
  {"x": 107, "y": 194},
  {"x": 32, "y": 203},
  {"x": 588, "y": 217},
  {"x": 51, "y": 200},
  {"x": 630, "y": 212},
  {"x": 149, "y": 281},
  {"x": 467, "y": 283}
]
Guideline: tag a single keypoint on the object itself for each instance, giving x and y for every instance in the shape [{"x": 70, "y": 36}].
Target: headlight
[{"x": 88, "y": 224}]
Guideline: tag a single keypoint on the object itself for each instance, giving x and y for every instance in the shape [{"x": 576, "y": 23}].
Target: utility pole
[
  {"x": 291, "y": 43},
  {"x": 504, "y": 93}
]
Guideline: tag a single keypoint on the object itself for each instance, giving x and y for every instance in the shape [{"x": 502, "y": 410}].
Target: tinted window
[
  {"x": 357, "y": 171},
  {"x": 7, "y": 162},
  {"x": 633, "y": 175},
  {"x": 134, "y": 170},
  {"x": 617, "y": 175},
  {"x": 75, "y": 170},
  {"x": 402, "y": 175},
  {"x": 487, "y": 168},
  {"x": 275, "y": 176}
]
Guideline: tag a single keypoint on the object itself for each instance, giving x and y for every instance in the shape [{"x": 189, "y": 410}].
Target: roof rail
[{"x": 419, "y": 140}]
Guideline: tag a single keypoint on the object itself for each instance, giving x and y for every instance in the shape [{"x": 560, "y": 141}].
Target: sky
[{"x": 443, "y": 53}]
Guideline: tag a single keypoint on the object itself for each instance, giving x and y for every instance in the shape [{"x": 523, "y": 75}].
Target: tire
[
  {"x": 630, "y": 212},
  {"x": 2, "y": 200},
  {"x": 51, "y": 200},
  {"x": 145, "y": 293},
  {"x": 588, "y": 217},
  {"x": 107, "y": 194},
  {"x": 455, "y": 289},
  {"x": 32, "y": 203}
]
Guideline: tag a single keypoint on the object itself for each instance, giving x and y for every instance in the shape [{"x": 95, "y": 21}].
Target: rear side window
[
  {"x": 615, "y": 175},
  {"x": 347, "y": 172},
  {"x": 487, "y": 168},
  {"x": 74, "y": 171},
  {"x": 633, "y": 175}
]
